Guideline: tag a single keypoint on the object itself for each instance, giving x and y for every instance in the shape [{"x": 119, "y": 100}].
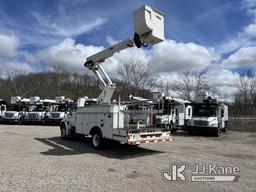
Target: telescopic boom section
[{"x": 149, "y": 29}]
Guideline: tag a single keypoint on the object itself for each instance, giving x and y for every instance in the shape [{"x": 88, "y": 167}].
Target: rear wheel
[
  {"x": 172, "y": 128},
  {"x": 97, "y": 140},
  {"x": 191, "y": 131}
]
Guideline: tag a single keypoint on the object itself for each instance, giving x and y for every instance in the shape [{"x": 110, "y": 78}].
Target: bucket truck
[
  {"x": 15, "y": 110},
  {"x": 58, "y": 110},
  {"x": 173, "y": 113},
  {"x": 38, "y": 110},
  {"x": 106, "y": 120},
  {"x": 209, "y": 114}
]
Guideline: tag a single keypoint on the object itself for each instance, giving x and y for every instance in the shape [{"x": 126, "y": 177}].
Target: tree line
[{"x": 135, "y": 78}]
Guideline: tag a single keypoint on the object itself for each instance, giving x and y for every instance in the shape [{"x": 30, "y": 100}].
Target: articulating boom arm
[
  {"x": 94, "y": 63},
  {"x": 149, "y": 29}
]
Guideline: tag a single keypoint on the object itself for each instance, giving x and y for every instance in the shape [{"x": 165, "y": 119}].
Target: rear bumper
[
  {"x": 148, "y": 137},
  {"x": 149, "y": 141}
]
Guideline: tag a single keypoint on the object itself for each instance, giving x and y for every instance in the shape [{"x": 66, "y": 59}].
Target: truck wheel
[
  {"x": 217, "y": 132},
  {"x": 97, "y": 140},
  {"x": 172, "y": 128},
  {"x": 191, "y": 131},
  {"x": 63, "y": 132},
  {"x": 225, "y": 129},
  {"x": 20, "y": 121}
]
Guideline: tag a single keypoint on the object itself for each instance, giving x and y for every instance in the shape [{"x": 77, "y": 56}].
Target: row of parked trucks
[{"x": 35, "y": 110}]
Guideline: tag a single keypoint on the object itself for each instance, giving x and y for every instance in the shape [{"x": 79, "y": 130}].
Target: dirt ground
[{"x": 34, "y": 158}]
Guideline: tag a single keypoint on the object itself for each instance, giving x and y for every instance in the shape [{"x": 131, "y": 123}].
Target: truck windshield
[
  {"x": 37, "y": 108},
  {"x": 204, "y": 111},
  {"x": 59, "y": 107},
  {"x": 13, "y": 107}
]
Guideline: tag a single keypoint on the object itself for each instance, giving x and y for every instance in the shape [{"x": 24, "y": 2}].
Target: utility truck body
[
  {"x": 107, "y": 120},
  {"x": 209, "y": 115},
  {"x": 173, "y": 113},
  {"x": 115, "y": 122}
]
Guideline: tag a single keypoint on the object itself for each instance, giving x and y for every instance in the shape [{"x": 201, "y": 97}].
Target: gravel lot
[{"x": 34, "y": 158}]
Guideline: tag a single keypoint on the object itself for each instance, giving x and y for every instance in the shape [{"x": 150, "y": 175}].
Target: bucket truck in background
[
  {"x": 58, "y": 110},
  {"x": 15, "y": 110},
  {"x": 209, "y": 114},
  {"x": 107, "y": 120},
  {"x": 38, "y": 110},
  {"x": 173, "y": 113}
]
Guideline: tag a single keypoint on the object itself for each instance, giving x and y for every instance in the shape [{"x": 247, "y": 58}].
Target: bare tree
[
  {"x": 136, "y": 74},
  {"x": 190, "y": 81},
  {"x": 245, "y": 99},
  {"x": 18, "y": 84},
  {"x": 164, "y": 87}
]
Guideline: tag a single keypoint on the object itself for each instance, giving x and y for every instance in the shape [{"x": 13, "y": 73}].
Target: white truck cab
[
  {"x": 58, "y": 110},
  {"x": 15, "y": 110},
  {"x": 38, "y": 110},
  {"x": 209, "y": 114}
]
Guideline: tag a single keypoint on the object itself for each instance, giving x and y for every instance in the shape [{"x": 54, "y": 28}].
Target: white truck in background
[
  {"x": 58, "y": 110},
  {"x": 106, "y": 120},
  {"x": 209, "y": 114},
  {"x": 15, "y": 110},
  {"x": 3, "y": 107},
  {"x": 38, "y": 110},
  {"x": 174, "y": 113}
]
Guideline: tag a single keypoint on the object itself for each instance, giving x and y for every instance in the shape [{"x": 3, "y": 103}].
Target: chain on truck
[{"x": 104, "y": 119}]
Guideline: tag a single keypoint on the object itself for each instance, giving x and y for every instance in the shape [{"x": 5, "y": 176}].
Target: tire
[
  {"x": 216, "y": 132},
  {"x": 191, "y": 131},
  {"x": 63, "y": 132},
  {"x": 20, "y": 121},
  {"x": 225, "y": 129},
  {"x": 97, "y": 140},
  {"x": 172, "y": 129}
]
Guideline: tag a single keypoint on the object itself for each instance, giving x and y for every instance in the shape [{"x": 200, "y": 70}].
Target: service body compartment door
[{"x": 81, "y": 122}]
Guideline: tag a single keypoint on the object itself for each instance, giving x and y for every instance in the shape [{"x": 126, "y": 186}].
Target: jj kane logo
[{"x": 201, "y": 173}]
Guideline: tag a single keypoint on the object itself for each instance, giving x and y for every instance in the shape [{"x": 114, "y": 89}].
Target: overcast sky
[{"x": 217, "y": 36}]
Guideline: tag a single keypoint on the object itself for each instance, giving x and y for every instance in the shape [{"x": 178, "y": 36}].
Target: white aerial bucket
[
  {"x": 149, "y": 24},
  {"x": 15, "y": 99},
  {"x": 59, "y": 99},
  {"x": 34, "y": 99}
]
